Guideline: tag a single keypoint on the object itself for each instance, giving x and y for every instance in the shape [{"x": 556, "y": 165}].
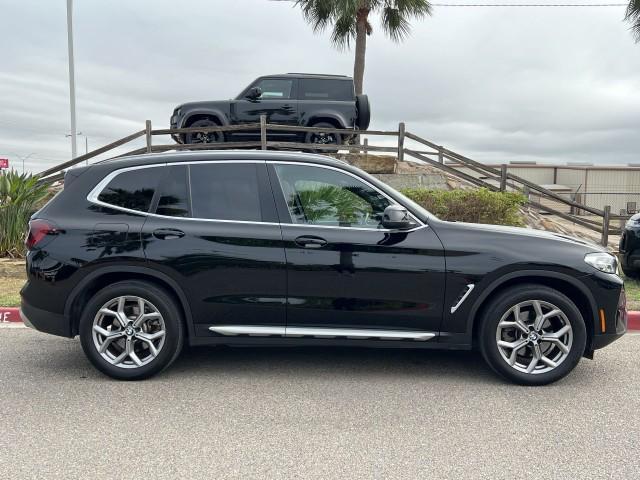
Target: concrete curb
[
  {"x": 12, "y": 315},
  {"x": 9, "y": 315}
]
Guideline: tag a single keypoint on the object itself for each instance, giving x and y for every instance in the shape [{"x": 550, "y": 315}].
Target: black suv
[
  {"x": 139, "y": 255},
  {"x": 630, "y": 247},
  {"x": 294, "y": 99}
]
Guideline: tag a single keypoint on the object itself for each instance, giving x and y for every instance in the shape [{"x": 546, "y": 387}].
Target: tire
[
  {"x": 364, "y": 112},
  {"x": 498, "y": 324},
  {"x": 161, "y": 314},
  {"x": 323, "y": 138},
  {"x": 199, "y": 137}
]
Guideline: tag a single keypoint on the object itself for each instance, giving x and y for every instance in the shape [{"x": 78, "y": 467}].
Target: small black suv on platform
[
  {"x": 291, "y": 99},
  {"x": 139, "y": 255}
]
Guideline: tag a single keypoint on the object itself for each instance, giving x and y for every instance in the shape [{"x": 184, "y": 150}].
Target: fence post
[
  {"x": 440, "y": 154},
  {"x": 147, "y": 128},
  {"x": 365, "y": 144},
  {"x": 503, "y": 177},
  {"x": 401, "y": 141},
  {"x": 263, "y": 132},
  {"x": 605, "y": 225},
  {"x": 622, "y": 220}
]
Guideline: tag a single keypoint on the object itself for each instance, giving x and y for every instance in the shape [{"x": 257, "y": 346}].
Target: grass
[
  {"x": 632, "y": 289},
  {"x": 10, "y": 291}
]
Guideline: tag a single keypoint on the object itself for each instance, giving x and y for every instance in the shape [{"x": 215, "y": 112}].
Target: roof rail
[{"x": 318, "y": 74}]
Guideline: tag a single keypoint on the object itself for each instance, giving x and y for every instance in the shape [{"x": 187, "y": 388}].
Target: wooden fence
[{"x": 499, "y": 179}]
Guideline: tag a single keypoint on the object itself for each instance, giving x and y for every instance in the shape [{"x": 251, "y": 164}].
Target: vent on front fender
[{"x": 462, "y": 297}]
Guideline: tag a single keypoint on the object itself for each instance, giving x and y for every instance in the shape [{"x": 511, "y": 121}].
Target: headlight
[{"x": 605, "y": 262}]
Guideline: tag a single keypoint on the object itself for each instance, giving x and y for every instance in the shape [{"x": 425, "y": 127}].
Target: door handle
[
  {"x": 287, "y": 108},
  {"x": 309, "y": 241},
  {"x": 168, "y": 233}
]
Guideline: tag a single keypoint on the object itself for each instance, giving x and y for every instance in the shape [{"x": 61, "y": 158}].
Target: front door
[
  {"x": 222, "y": 243},
  {"x": 345, "y": 270},
  {"x": 278, "y": 102}
]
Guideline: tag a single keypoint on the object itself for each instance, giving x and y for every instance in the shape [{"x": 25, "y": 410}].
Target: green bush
[
  {"x": 474, "y": 206},
  {"x": 20, "y": 196}
]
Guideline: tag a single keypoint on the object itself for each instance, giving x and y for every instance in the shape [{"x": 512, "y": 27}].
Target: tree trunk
[{"x": 361, "y": 48}]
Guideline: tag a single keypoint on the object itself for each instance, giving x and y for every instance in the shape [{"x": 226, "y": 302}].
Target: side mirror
[
  {"x": 396, "y": 217},
  {"x": 254, "y": 93}
]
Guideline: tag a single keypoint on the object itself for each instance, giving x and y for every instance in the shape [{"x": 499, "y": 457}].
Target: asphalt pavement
[{"x": 313, "y": 413}]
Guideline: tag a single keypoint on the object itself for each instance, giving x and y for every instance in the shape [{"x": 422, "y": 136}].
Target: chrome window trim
[{"x": 93, "y": 195}]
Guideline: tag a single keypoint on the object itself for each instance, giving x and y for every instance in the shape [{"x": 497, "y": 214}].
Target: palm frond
[
  {"x": 344, "y": 30},
  {"x": 633, "y": 17}
]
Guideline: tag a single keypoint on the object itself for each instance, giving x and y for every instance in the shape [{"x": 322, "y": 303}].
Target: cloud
[{"x": 498, "y": 84}]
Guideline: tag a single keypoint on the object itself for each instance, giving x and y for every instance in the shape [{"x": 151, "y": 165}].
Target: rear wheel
[
  {"x": 333, "y": 138},
  {"x": 532, "y": 335},
  {"x": 131, "y": 330},
  {"x": 204, "y": 137}
]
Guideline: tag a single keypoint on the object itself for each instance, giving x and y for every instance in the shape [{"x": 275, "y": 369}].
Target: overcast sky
[{"x": 498, "y": 84}]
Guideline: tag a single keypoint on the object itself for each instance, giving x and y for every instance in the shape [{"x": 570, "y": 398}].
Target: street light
[{"x": 72, "y": 80}]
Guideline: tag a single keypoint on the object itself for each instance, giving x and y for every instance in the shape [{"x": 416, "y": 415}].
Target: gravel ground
[{"x": 313, "y": 413}]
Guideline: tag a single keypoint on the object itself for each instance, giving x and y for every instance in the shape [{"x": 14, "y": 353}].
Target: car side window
[
  {"x": 275, "y": 88},
  {"x": 326, "y": 197},
  {"x": 225, "y": 191},
  {"x": 316, "y": 89},
  {"x": 132, "y": 189},
  {"x": 173, "y": 193}
]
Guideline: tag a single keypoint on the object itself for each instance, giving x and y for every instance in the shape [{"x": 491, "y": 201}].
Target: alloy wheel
[
  {"x": 324, "y": 139},
  {"x": 128, "y": 331},
  {"x": 534, "y": 337}
]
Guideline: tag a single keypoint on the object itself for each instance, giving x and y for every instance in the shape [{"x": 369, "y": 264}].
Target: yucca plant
[{"x": 20, "y": 196}]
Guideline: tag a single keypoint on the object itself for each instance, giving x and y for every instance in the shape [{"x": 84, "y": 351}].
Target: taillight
[{"x": 39, "y": 230}]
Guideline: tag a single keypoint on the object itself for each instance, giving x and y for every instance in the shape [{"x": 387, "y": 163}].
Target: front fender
[{"x": 219, "y": 115}]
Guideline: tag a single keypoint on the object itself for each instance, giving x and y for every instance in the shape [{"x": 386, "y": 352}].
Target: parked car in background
[
  {"x": 630, "y": 247},
  {"x": 140, "y": 254},
  {"x": 292, "y": 99}
]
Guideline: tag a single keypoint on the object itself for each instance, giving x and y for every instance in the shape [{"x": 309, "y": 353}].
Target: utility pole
[{"x": 72, "y": 81}]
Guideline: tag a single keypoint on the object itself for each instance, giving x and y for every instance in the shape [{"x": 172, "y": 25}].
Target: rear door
[
  {"x": 278, "y": 102},
  {"x": 344, "y": 270},
  {"x": 215, "y": 232}
]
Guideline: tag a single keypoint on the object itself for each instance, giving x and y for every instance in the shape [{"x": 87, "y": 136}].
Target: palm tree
[
  {"x": 350, "y": 20},
  {"x": 633, "y": 16}
]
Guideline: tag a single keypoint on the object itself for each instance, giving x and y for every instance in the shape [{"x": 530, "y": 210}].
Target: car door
[
  {"x": 215, "y": 232},
  {"x": 344, "y": 270},
  {"x": 278, "y": 102}
]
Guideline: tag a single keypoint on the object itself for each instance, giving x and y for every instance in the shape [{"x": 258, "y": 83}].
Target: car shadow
[{"x": 347, "y": 362}]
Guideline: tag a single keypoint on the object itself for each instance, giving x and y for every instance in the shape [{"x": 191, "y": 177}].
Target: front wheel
[
  {"x": 131, "y": 330},
  {"x": 204, "y": 137},
  {"x": 532, "y": 335}
]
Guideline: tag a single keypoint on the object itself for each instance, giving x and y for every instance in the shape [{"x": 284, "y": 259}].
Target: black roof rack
[{"x": 318, "y": 74}]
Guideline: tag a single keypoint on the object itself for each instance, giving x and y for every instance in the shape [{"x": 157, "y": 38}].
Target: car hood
[{"x": 527, "y": 232}]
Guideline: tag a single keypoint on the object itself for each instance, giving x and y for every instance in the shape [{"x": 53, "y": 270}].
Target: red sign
[{"x": 4, "y": 163}]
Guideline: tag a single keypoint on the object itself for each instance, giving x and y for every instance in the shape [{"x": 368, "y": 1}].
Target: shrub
[
  {"x": 20, "y": 196},
  {"x": 474, "y": 206}
]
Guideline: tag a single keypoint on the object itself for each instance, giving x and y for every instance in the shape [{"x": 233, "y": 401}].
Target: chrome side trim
[
  {"x": 296, "y": 332},
  {"x": 358, "y": 333},
  {"x": 252, "y": 330},
  {"x": 470, "y": 288}
]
